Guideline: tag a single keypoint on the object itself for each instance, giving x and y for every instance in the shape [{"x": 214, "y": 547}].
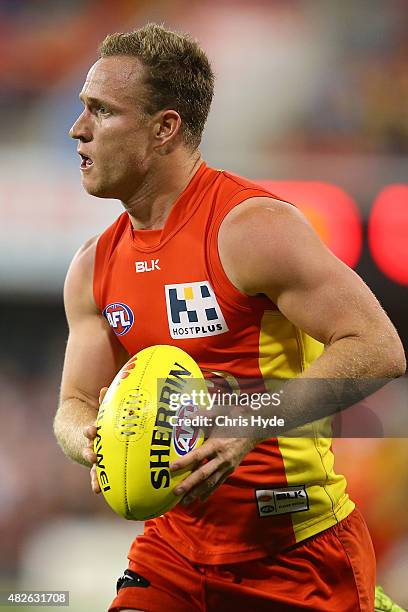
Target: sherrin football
[{"x": 141, "y": 429}]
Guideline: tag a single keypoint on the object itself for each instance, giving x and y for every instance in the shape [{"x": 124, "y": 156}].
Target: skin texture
[{"x": 144, "y": 162}]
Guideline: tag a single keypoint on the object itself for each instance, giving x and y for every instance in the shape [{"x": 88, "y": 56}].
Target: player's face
[{"x": 115, "y": 136}]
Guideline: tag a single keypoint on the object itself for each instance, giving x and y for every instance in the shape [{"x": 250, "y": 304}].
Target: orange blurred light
[
  {"x": 388, "y": 232},
  {"x": 332, "y": 212}
]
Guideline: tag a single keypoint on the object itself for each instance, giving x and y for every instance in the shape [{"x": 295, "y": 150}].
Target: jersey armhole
[
  {"x": 219, "y": 278},
  {"x": 98, "y": 273},
  {"x": 105, "y": 246}
]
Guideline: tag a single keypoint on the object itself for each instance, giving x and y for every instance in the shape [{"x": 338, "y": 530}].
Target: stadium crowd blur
[{"x": 354, "y": 104}]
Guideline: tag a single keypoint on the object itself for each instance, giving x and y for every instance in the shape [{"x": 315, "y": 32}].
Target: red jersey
[{"x": 168, "y": 287}]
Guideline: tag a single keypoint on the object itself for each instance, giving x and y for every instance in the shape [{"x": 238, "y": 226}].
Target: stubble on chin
[
  {"x": 99, "y": 190},
  {"x": 92, "y": 188}
]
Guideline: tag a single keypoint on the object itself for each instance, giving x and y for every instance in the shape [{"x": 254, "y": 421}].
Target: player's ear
[{"x": 166, "y": 129}]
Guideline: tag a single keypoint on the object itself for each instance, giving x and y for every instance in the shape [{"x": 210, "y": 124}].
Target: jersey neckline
[{"x": 180, "y": 213}]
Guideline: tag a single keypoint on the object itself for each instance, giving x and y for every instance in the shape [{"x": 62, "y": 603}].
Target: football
[{"x": 144, "y": 423}]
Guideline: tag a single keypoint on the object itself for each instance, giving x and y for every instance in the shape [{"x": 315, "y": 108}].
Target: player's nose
[{"x": 80, "y": 129}]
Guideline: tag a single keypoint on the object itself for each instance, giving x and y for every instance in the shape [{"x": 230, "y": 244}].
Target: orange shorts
[{"x": 333, "y": 571}]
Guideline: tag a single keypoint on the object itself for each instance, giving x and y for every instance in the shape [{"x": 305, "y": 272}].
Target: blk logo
[
  {"x": 282, "y": 501},
  {"x": 120, "y": 317},
  {"x": 147, "y": 266},
  {"x": 193, "y": 311}
]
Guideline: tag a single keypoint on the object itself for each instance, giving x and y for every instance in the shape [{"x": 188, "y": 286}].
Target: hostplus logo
[
  {"x": 120, "y": 317},
  {"x": 193, "y": 311}
]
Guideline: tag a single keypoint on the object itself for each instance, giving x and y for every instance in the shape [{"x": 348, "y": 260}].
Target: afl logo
[
  {"x": 185, "y": 436},
  {"x": 265, "y": 498},
  {"x": 120, "y": 317}
]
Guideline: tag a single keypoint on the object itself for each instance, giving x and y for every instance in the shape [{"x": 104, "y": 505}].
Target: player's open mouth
[{"x": 86, "y": 162}]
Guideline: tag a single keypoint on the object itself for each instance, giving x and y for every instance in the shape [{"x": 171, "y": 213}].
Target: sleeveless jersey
[{"x": 168, "y": 287}]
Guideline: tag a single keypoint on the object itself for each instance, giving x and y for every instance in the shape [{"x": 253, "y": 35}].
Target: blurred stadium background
[{"x": 306, "y": 91}]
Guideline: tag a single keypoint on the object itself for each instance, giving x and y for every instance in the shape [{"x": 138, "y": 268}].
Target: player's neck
[{"x": 150, "y": 207}]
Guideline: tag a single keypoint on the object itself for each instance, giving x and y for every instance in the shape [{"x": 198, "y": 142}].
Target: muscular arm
[
  {"x": 267, "y": 246},
  {"x": 93, "y": 356}
]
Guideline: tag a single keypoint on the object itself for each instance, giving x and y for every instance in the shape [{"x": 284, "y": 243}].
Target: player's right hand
[
  {"x": 89, "y": 455},
  {"x": 88, "y": 452}
]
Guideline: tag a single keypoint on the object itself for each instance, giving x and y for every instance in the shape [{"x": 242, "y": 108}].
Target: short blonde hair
[{"x": 178, "y": 74}]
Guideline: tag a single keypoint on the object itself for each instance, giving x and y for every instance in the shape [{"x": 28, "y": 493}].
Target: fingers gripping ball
[{"x": 142, "y": 427}]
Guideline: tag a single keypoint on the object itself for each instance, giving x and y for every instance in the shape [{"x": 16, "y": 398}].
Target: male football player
[{"x": 212, "y": 263}]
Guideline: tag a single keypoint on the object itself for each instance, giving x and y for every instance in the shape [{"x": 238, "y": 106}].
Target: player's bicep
[
  {"x": 316, "y": 291},
  {"x": 328, "y": 301},
  {"x": 267, "y": 247}
]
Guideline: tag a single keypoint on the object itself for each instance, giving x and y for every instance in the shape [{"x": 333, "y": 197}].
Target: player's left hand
[{"x": 221, "y": 456}]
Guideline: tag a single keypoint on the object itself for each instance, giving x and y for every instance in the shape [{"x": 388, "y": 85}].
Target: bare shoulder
[
  {"x": 260, "y": 219},
  {"x": 78, "y": 288},
  {"x": 265, "y": 238},
  {"x": 85, "y": 256},
  {"x": 261, "y": 207}
]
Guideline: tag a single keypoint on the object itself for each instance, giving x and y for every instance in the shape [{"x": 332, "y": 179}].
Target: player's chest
[{"x": 164, "y": 298}]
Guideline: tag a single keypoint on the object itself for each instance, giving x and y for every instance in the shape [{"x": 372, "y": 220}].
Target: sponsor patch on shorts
[{"x": 285, "y": 500}]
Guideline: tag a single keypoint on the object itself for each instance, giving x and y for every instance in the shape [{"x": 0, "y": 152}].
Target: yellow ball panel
[{"x": 137, "y": 435}]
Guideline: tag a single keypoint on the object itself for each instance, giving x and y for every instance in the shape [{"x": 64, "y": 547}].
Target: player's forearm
[
  {"x": 365, "y": 357},
  {"x": 348, "y": 370},
  {"x": 72, "y": 417}
]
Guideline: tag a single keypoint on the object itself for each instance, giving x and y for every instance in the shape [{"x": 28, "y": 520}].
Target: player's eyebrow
[{"x": 93, "y": 101}]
